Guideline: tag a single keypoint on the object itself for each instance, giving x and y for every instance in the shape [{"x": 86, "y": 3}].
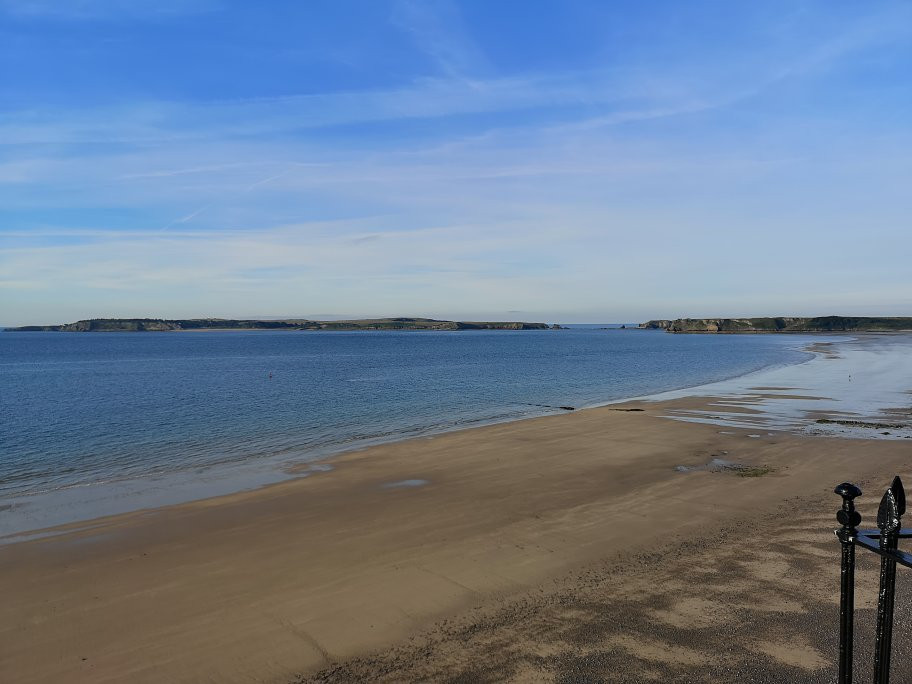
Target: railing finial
[
  {"x": 847, "y": 516},
  {"x": 888, "y": 514},
  {"x": 899, "y": 493}
]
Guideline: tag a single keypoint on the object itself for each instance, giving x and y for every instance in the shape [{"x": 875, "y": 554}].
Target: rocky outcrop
[
  {"x": 656, "y": 325},
  {"x": 501, "y": 326},
  {"x": 732, "y": 325},
  {"x": 790, "y": 324}
]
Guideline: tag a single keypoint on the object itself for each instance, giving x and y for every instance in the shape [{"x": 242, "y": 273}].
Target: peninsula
[
  {"x": 164, "y": 325},
  {"x": 821, "y": 324}
]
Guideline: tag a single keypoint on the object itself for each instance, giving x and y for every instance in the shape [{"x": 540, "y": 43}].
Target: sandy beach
[{"x": 612, "y": 544}]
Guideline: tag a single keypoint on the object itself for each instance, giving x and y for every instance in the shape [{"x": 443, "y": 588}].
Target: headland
[
  {"x": 171, "y": 325},
  {"x": 785, "y": 324}
]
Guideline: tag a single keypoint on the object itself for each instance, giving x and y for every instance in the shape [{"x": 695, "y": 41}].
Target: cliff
[
  {"x": 661, "y": 324},
  {"x": 782, "y": 325},
  {"x": 159, "y": 325}
]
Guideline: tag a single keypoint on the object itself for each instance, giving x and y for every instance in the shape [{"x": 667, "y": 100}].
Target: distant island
[
  {"x": 165, "y": 325},
  {"x": 820, "y": 324}
]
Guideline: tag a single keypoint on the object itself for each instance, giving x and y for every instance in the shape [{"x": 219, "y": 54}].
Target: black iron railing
[{"x": 883, "y": 541}]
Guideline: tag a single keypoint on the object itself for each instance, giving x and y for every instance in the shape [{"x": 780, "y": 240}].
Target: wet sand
[
  {"x": 576, "y": 535},
  {"x": 858, "y": 384}
]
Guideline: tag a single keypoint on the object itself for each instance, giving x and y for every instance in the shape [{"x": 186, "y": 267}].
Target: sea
[{"x": 100, "y": 423}]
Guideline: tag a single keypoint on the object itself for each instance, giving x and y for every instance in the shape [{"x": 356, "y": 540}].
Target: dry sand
[{"x": 565, "y": 548}]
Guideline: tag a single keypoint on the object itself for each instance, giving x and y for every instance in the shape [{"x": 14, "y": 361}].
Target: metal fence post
[
  {"x": 849, "y": 518},
  {"x": 889, "y": 515}
]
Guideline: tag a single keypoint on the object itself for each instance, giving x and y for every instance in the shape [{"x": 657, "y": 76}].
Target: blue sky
[{"x": 550, "y": 160}]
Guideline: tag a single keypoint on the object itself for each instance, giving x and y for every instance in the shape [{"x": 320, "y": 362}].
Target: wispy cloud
[
  {"x": 425, "y": 99},
  {"x": 167, "y": 173},
  {"x": 437, "y": 28},
  {"x": 263, "y": 181}
]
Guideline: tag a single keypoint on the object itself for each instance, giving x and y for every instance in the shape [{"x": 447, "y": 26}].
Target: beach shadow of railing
[{"x": 883, "y": 541}]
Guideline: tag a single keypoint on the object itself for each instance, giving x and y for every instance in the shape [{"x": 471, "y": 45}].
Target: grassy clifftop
[
  {"x": 782, "y": 325},
  {"x": 158, "y": 325}
]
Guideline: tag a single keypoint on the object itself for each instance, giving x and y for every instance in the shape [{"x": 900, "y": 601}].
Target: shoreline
[{"x": 168, "y": 488}]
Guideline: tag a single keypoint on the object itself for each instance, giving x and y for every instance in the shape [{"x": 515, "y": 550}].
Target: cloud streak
[{"x": 438, "y": 29}]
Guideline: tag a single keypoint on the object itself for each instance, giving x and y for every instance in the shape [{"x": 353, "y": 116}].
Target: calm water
[{"x": 81, "y": 409}]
